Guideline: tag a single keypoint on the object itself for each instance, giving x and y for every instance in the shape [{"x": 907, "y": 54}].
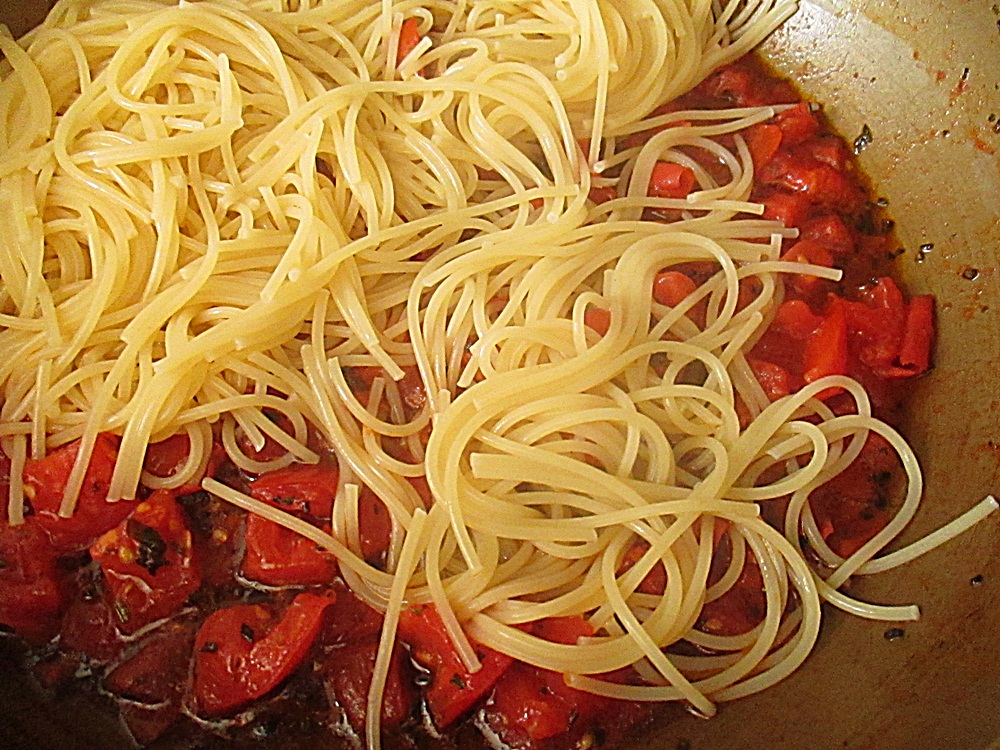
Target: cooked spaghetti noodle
[{"x": 215, "y": 209}]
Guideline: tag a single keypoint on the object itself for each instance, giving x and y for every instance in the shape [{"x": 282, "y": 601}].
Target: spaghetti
[{"x": 217, "y": 211}]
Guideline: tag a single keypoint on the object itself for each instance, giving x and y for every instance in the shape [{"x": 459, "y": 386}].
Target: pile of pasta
[{"x": 212, "y": 209}]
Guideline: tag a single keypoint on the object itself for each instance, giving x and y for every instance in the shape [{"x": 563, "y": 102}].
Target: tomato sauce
[{"x": 197, "y": 622}]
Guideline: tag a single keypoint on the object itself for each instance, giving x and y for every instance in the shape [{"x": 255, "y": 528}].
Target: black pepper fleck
[
  {"x": 894, "y": 634},
  {"x": 457, "y": 681},
  {"x": 683, "y": 745},
  {"x": 924, "y": 249},
  {"x": 882, "y": 202},
  {"x": 210, "y": 647},
  {"x": 977, "y": 580},
  {"x": 247, "y": 632}
]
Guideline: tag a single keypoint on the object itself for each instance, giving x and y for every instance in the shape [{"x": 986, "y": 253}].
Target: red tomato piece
[
  {"x": 772, "y": 378},
  {"x": 602, "y": 194},
  {"x": 791, "y": 209},
  {"x": 149, "y": 562},
  {"x": 244, "y": 652},
  {"x": 828, "y": 149},
  {"x": 797, "y": 124},
  {"x": 763, "y": 141},
  {"x": 299, "y": 488},
  {"x": 45, "y": 480},
  {"x": 88, "y": 627},
  {"x": 670, "y": 180},
  {"x": 452, "y": 690},
  {"x": 918, "y": 336},
  {"x": 350, "y": 619},
  {"x": 374, "y": 526},
  {"x": 276, "y": 556},
  {"x": 31, "y": 596},
  {"x": 876, "y": 325},
  {"x": 741, "y": 608},
  {"x": 854, "y": 506},
  {"x": 597, "y": 319},
  {"x": 348, "y": 675},
  {"x": 671, "y": 288},
  {"x": 158, "y": 671},
  {"x": 830, "y": 231},
  {"x": 796, "y": 319},
  {"x": 409, "y": 38},
  {"x": 812, "y": 253},
  {"x": 826, "y": 348}
]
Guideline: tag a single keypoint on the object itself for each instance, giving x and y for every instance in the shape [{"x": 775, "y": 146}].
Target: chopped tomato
[
  {"x": 452, "y": 690},
  {"x": 772, "y": 378},
  {"x": 299, "y": 488},
  {"x": 671, "y": 288},
  {"x": 349, "y": 619},
  {"x": 31, "y": 596},
  {"x": 88, "y": 627},
  {"x": 796, "y": 319},
  {"x": 149, "y": 562},
  {"x": 812, "y": 253},
  {"x": 670, "y": 180},
  {"x": 763, "y": 141},
  {"x": 830, "y": 231},
  {"x": 597, "y": 319},
  {"x": 791, "y": 209},
  {"x": 245, "y": 651},
  {"x": 45, "y": 480},
  {"x": 158, "y": 671},
  {"x": 348, "y": 675},
  {"x": 854, "y": 506},
  {"x": 602, "y": 194},
  {"x": 374, "y": 526},
  {"x": 918, "y": 336},
  {"x": 741, "y": 608},
  {"x": 530, "y": 704},
  {"x": 409, "y": 38},
  {"x": 797, "y": 124},
  {"x": 276, "y": 556},
  {"x": 826, "y": 349}
]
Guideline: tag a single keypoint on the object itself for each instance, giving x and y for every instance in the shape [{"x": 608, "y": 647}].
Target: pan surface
[{"x": 925, "y": 77}]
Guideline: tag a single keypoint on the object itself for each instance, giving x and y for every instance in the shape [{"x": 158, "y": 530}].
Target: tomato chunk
[
  {"x": 348, "y": 675},
  {"x": 45, "y": 480},
  {"x": 244, "y": 652},
  {"x": 31, "y": 597},
  {"x": 763, "y": 141},
  {"x": 452, "y": 690},
  {"x": 276, "y": 556},
  {"x": 299, "y": 488},
  {"x": 149, "y": 562},
  {"x": 670, "y": 180},
  {"x": 671, "y": 288}
]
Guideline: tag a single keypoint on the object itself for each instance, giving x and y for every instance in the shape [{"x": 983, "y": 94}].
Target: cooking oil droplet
[{"x": 970, "y": 274}]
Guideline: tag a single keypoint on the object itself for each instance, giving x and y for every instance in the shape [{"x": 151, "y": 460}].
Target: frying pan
[{"x": 924, "y": 76}]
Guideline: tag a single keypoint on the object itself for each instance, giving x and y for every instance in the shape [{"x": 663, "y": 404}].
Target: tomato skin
[
  {"x": 276, "y": 556},
  {"x": 791, "y": 209},
  {"x": 348, "y": 674},
  {"x": 243, "y": 652},
  {"x": 670, "y": 180},
  {"x": 149, "y": 562},
  {"x": 797, "y": 125},
  {"x": 89, "y": 627},
  {"x": 374, "y": 526},
  {"x": 452, "y": 690},
  {"x": 31, "y": 594},
  {"x": 157, "y": 672},
  {"x": 349, "y": 619},
  {"x": 299, "y": 488},
  {"x": 409, "y": 38},
  {"x": 772, "y": 378},
  {"x": 45, "y": 480},
  {"x": 655, "y": 581}
]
